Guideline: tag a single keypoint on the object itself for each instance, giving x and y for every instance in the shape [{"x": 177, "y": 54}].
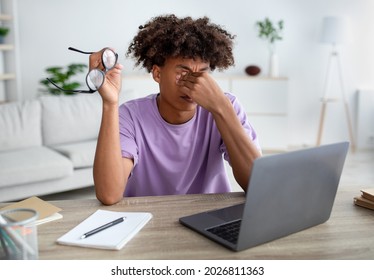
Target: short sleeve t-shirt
[{"x": 174, "y": 159}]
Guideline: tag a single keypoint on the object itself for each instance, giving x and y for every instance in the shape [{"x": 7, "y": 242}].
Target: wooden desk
[{"x": 349, "y": 233}]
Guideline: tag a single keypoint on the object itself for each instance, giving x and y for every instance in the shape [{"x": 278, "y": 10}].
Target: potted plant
[
  {"x": 271, "y": 32},
  {"x": 3, "y": 32},
  {"x": 62, "y": 77}
]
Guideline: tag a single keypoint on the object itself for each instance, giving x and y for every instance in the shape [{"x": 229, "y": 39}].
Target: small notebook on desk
[
  {"x": 47, "y": 212},
  {"x": 112, "y": 238}
]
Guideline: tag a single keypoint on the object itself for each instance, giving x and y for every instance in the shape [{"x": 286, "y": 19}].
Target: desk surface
[{"x": 348, "y": 234}]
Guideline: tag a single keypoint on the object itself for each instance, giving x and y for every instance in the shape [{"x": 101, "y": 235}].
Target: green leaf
[
  {"x": 269, "y": 31},
  {"x": 62, "y": 77}
]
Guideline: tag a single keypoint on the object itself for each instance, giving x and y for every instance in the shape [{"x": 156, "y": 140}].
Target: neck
[{"x": 172, "y": 115}]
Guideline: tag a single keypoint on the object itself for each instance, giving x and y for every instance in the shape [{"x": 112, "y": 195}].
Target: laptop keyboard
[{"x": 228, "y": 231}]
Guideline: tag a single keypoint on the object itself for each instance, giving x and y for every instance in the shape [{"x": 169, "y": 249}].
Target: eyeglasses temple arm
[
  {"x": 67, "y": 90},
  {"x": 76, "y": 50}
]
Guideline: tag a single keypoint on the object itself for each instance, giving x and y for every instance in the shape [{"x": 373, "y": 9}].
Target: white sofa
[{"x": 47, "y": 145}]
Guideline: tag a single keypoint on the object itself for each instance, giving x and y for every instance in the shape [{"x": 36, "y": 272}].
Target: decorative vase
[
  {"x": 273, "y": 65},
  {"x": 273, "y": 61}
]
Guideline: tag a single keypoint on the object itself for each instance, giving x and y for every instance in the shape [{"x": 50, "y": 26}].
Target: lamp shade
[{"x": 334, "y": 30}]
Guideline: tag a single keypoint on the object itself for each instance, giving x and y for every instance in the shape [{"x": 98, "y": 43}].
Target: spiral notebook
[{"x": 113, "y": 238}]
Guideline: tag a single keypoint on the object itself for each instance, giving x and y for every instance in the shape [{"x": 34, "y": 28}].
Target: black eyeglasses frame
[{"x": 90, "y": 91}]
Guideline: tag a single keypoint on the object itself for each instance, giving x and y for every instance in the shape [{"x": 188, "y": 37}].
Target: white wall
[{"x": 48, "y": 27}]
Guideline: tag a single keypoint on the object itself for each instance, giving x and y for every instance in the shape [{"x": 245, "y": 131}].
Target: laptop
[{"x": 287, "y": 193}]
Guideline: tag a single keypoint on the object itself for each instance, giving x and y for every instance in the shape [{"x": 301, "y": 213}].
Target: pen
[
  {"x": 4, "y": 245},
  {"x": 108, "y": 225}
]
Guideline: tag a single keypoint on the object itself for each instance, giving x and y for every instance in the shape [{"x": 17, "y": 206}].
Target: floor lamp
[{"x": 333, "y": 33}]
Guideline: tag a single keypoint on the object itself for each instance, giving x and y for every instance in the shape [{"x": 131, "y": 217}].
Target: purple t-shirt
[{"x": 174, "y": 159}]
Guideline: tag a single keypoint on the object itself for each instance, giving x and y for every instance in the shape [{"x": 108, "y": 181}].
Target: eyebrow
[{"x": 185, "y": 67}]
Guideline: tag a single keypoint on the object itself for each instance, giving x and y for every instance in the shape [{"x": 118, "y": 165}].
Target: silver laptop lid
[{"x": 292, "y": 191}]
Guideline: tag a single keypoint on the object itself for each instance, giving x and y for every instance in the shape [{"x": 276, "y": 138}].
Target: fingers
[
  {"x": 111, "y": 87},
  {"x": 117, "y": 68},
  {"x": 191, "y": 76},
  {"x": 189, "y": 79},
  {"x": 96, "y": 59},
  {"x": 114, "y": 73}
]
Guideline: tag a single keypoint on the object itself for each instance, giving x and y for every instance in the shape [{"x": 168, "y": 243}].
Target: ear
[{"x": 156, "y": 73}]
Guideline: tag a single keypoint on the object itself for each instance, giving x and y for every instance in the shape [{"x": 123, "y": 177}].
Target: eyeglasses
[{"x": 96, "y": 77}]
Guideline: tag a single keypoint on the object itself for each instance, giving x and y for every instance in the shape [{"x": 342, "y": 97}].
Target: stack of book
[{"x": 366, "y": 199}]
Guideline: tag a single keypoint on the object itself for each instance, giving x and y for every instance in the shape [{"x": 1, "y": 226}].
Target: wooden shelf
[
  {"x": 6, "y": 47},
  {"x": 329, "y": 100},
  {"x": 215, "y": 74},
  {"x": 5, "y": 17},
  {"x": 7, "y": 76},
  {"x": 247, "y": 77}
]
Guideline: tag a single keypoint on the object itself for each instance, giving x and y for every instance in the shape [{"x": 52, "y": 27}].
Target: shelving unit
[
  {"x": 264, "y": 99},
  {"x": 9, "y": 70}
]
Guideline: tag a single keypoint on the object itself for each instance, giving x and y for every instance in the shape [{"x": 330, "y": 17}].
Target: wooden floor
[{"x": 358, "y": 173}]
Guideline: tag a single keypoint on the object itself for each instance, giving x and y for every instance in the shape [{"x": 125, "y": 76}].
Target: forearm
[
  {"x": 108, "y": 164},
  {"x": 241, "y": 150}
]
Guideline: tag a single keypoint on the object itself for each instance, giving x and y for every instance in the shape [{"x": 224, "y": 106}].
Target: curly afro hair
[{"x": 169, "y": 36}]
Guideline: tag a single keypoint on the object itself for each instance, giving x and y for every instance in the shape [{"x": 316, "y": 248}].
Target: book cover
[
  {"x": 363, "y": 202},
  {"x": 46, "y": 211},
  {"x": 112, "y": 238},
  {"x": 368, "y": 194}
]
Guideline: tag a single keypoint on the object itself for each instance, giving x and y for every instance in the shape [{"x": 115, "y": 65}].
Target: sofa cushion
[
  {"x": 69, "y": 119},
  {"x": 81, "y": 154},
  {"x": 20, "y": 125},
  {"x": 32, "y": 165}
]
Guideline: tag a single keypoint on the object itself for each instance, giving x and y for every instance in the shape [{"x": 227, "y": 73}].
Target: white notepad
[{"x": 113, "y": 238}]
